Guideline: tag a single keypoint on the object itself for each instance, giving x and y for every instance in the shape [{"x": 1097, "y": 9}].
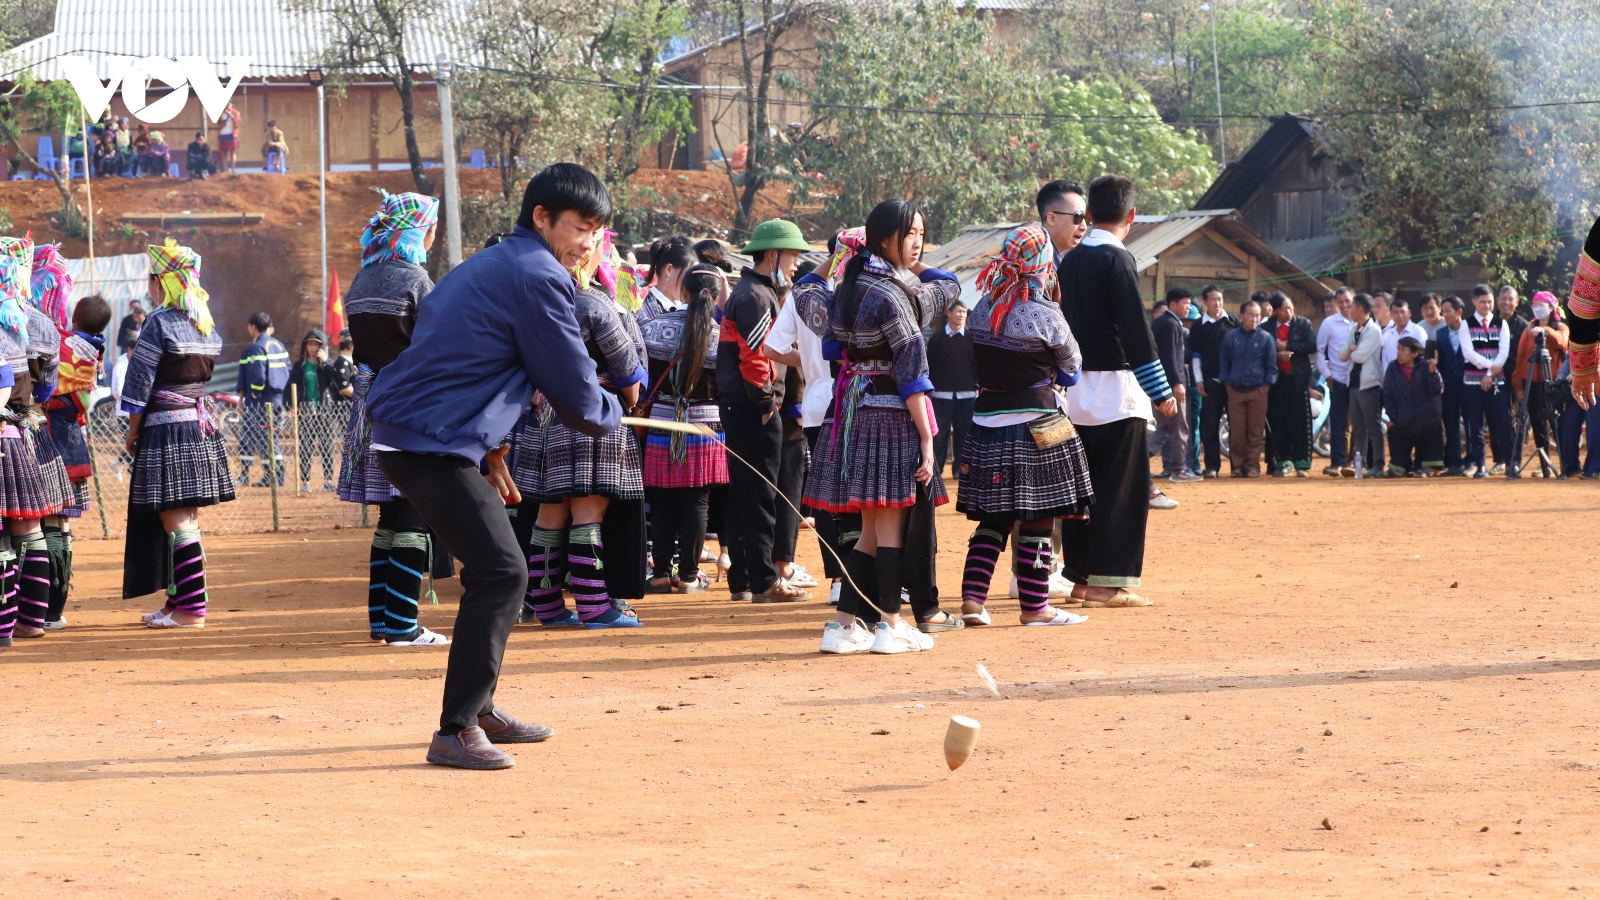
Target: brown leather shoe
[
  {"x": 504, "y": 728},
  {"x": 781, "y": 592},
  {"x": 468, "y": 750}
]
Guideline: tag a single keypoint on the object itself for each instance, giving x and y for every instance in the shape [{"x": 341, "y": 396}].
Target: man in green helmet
[{"x": 747, "y": 392}]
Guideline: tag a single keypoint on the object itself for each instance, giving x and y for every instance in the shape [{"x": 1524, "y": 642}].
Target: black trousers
[
  {"x": 470, "y": 519},
  {"x": 1214, "y": 407},
  {"x": 752, "y": 502},
  {"x": 829, "y": 525},
  {"x": 1543, "y": 416},
  {"x": 1412, "y": 449},
  {"x": 623, "y": 534},
  {"x": 792, "y": 462},
  {"x": 1453, "y": 456},
  {"x": 1289, "y": 422},
  {"x": 954, "y": 418},
  {"x": 1107, "y": 549},
  {"x": 678, "y": 520}
]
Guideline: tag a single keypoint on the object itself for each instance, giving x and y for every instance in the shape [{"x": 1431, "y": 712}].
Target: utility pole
[
  {"x": 316, "y": 79},
  {"x": 452, "y": 190},
  {"x": 1216, "y": 73},
  {"x": 88, "y": 190}
]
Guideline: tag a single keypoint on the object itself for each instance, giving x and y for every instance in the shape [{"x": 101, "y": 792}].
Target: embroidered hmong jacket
[
  {"x": 1016, "y": 368},
  {"x": 1583, "y": 307},
  {"x": 661, "y": 335},
  {"x": 885, "y": 339},
  {"x": 381, "y": 307},
  {"x": 44, "y": 353},
  {"x": 171, "y": 355},
  {"x": 609, "y": 340}
]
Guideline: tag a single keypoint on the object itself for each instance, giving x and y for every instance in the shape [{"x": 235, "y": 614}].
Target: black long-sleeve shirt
[
  {"x": 742, "y": 369},
  {"x": 1169, "y": 335},
  {"x": 1101, "y": 301}
]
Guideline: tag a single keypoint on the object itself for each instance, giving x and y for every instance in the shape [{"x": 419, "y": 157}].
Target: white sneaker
[
  {"x": 57, "y": 625},
  {"x": 149, "y": 617},
  {"x": 1060, "y": 587},
  {"x": 837, "y": 638},
  {"x": 900, "y": 638},
  {"x": 1159, "y": 500},
  {"x": 425, "y": 639},
  {"x": 833, "y": 593}
]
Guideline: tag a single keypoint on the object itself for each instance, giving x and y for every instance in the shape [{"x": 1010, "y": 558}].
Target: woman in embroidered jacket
[
  {"x": 880, "y": 448},
  {"x": 179, "y": 464},
  {"x": 1022, "y": 460},
  {"x": 572, "y": 477},
  {"x": 381, "y": 307}
]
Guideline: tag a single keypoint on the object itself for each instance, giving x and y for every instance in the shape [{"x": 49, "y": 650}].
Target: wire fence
[{"x": 302, "y": 498}]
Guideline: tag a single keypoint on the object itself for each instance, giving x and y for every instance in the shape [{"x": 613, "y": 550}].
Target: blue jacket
[
  {"x": 264, "y": 371},
  {"x": 499, "y": 327},
  {"x": 1248, "y": 359}
]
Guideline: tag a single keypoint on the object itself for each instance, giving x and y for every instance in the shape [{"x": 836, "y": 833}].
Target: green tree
[
  {"x": 31, "y": 107},
  {"x": 1437, "y": 105},
  {"x": 983, "y": 137},
  {"x": 1266, "y": 64}
]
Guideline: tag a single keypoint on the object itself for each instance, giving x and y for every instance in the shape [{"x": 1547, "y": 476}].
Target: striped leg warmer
[
  {"x": 58, "y": 543},
  {"x": 187, "y": 592},
  {"x": 983, "y": 551},
  {"x": 1033, "y": 569},
  {"x": 33, "y": 594},
  {"x": 408, "y": 566},
  {"x": 8, "y": 592},
  {"x": 588, "y": 581},
  {"x": 547, "y": 573},
  {"x": 377, "y": 581}
]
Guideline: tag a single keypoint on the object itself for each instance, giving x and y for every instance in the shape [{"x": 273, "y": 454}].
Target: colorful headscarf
[
  {"x": 52, "y": 283},
  {"x": 1019, "y": 273},
  {"x": 178, "y": 269},
  {"x": 850, "y": 242},
  {"x": 16, "y": 265},
  {"x": 397, "y": 229},
  {"x": 606, "y": 266}
]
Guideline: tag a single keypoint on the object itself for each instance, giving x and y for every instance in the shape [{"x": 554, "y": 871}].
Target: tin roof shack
[{"x": 1187, "y": 249}]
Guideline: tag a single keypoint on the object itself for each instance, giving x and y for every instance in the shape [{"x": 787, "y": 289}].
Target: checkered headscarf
[
  {"x": 850, "y": 242},
  {"x": 52, "y": 284},
  {"x": 1018, "y": 274},
  {"x": 16, "y": 265},
  {"x": 178, "y": 269},
  {"x": 397, "y": 229}
]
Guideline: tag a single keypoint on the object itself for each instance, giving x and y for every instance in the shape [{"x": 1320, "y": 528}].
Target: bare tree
[
  {"x": 762, "y": 30},
  {"x": 375, "y": 35}
]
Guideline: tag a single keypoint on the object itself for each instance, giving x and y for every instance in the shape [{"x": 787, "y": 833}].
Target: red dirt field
[{"x": 1347, "y": 689}]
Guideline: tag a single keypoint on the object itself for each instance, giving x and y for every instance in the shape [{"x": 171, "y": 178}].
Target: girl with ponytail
[
  {"x": 879, "y": 451},
  {"x": 680, "y": 470}
]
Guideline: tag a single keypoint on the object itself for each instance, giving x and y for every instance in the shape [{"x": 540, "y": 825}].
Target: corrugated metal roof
[
  {"x": 1316, "y": 255},
  {"x": 278, "y": 43},
  {"x": 967, "y": 253}
]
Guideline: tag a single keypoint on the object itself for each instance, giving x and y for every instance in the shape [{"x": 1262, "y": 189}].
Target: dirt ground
[{"x": 1347, "y": 689}]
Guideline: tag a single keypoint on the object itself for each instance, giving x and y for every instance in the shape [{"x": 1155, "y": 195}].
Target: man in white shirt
[
  {"x": 1332, "y": 336},
  {"x": 1400, "y": 325},
  {"x": 1485, "y": 341}
]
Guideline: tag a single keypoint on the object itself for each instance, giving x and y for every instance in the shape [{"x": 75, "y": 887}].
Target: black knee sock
[
  {"x": 587, "y": 572},
  {"x": 863, "y": 570},
  {"x": 988, "y": 541},
  {"x": 187, "y": 590},
  {"x": 408, "y": 566},
  {"x": 891, "y": 575}
]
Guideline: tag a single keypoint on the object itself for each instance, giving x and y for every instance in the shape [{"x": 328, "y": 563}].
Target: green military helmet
[{"x": 777, "y": 234}]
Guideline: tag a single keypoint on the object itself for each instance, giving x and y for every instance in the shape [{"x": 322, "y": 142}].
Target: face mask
[
  {"x": 1541, "y": 310},
  {"x": 777, "y": 278}
]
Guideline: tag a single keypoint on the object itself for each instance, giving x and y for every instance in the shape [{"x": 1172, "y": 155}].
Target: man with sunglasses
[{"x": 1062, "y": 207}]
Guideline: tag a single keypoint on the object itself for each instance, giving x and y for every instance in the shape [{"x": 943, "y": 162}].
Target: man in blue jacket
[
  {"x": 499, "y": 327},
  {"x": 1248, "y": 367},
  {"x": 263, "y": 376}
]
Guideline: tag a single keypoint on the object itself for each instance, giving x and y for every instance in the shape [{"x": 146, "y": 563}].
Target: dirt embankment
[{"x": 275, "y": 265}]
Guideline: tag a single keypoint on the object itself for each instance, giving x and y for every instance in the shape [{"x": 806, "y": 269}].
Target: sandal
[
  {"x": 949, "y": 623},
  {"x": 977, "y": 618},
  {"x": 661, "y": 585},
  {"x": 1122, "y": 599},
  {"x": 1060, "y": 617}
]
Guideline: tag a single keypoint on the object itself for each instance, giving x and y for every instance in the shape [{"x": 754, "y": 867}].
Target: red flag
[{"x": 335, "y": 309}]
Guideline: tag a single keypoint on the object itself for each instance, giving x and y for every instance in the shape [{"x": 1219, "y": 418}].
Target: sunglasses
[{"x": 1077, "y": 217}]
